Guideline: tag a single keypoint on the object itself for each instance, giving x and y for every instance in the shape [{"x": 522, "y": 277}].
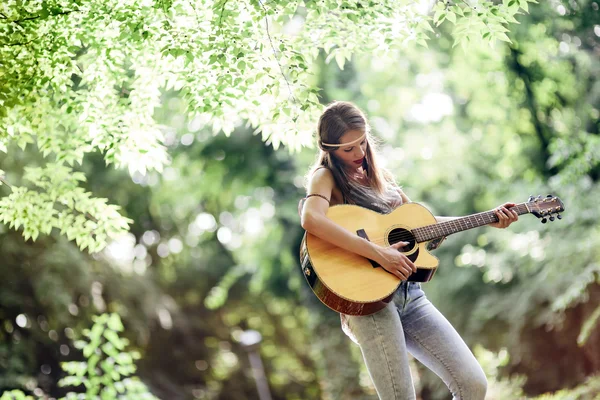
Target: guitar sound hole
[
  {"x": 395, "y": 236},
  {"x": 402, "y": 235}
]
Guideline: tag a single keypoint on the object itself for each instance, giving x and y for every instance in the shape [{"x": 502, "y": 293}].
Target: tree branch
[
  {"x": 221, "y": 17},
  {"x": 275, "y": 53},
  {"x": 21, "y": 44},
  {"x": 532, "y": 106},
  {"x": 18, "y": 22},
  {"x": 4, "y": 182},
  {"x": 40, "y": 16}
]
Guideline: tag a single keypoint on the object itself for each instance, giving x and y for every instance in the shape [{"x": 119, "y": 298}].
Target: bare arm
[{"x": 315, "y": 221}]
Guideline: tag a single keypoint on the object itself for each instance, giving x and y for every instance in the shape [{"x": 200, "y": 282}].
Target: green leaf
[
  {"x": 502, "y": 36},
  {"x": 458, "y": 10},
  {"x": 114, "y": 339},
  {"x": 109, "y": 349},
  {"x": 340, "y": 59},
  {"x": 451, "y": 17},
  {"x": 88, "y": 350},
  {"x": 439, "y": 17},
  {"x": 114, "y": 322},
  {"x": 425, "y": 25},
  {"x": 523, "y": 5}
]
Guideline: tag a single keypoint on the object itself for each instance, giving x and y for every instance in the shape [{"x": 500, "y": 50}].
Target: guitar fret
[
  {"x": 458, "y": 224},
  {"x": 441, "y": 229}
]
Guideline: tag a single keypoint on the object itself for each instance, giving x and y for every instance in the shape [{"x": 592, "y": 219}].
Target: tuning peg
[
  {"x": 558, "y": 216},
  {"x": 530, "y": 198},
  {"x": 549, "y": 195},
  {"x": 544, "y": 220},
  {"x": 551, "y": 218}
]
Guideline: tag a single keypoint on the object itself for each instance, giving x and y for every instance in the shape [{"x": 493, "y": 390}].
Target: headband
[{"x": 345, "y": 144}]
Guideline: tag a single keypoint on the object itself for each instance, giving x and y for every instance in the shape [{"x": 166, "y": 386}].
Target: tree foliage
[
  {"x": 106, "y": 369},
  {"x": 214, "y": 234},
  {"x": 87, "y": 77}
]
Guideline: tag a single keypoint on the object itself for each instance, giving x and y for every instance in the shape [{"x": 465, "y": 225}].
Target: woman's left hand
[{"x": 506, "y": 215}]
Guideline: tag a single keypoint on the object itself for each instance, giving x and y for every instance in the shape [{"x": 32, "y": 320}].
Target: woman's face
[{"x": 353, "y": 154}]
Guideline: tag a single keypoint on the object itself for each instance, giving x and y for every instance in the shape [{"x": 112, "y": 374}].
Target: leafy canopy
[{"x": 81, "y": 77}]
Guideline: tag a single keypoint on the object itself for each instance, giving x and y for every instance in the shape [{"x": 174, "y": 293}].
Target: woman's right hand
[{"x": 396, "y": 263}]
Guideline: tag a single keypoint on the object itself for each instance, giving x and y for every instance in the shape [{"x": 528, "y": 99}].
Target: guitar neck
[{"x": 435, "y": 231}]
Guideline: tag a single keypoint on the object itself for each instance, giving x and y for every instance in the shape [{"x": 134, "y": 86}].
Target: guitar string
[{"x": 409, "y": 235}]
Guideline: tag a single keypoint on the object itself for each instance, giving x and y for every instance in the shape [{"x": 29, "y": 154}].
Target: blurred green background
[{"x": 213, "y": 249}]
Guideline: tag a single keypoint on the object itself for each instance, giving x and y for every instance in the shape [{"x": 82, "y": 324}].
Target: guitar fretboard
[{"x": 435, "y": 231}]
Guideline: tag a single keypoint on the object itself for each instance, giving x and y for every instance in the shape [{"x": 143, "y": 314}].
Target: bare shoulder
[
  {"x": 321, "y": 182},
  {"x": 319, "y": 193},
  {"x": 322, "y": 175}
]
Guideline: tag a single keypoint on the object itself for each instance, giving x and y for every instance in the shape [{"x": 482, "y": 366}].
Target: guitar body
[{"x": 351, "y": 284}]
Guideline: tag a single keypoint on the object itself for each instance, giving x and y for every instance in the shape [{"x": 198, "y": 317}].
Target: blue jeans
[{"x": 410, "y": 322}]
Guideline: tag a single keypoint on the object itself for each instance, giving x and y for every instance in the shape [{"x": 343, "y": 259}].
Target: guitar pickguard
[{"x": 361, "y": 233}]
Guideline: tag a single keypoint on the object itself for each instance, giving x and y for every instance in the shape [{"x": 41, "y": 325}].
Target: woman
[{"x": 347, "y": 173}]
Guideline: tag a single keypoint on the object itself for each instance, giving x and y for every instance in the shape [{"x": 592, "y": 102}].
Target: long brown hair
[{"x": 338, "y": 118}]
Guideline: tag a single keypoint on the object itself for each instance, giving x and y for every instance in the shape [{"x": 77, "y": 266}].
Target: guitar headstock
[{"x": 544, "y": 207}]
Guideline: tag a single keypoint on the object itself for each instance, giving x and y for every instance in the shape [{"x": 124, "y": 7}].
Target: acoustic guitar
[{"x": 351, "y": 284}]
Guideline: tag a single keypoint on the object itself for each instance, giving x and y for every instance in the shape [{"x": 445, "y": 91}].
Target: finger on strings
[{"x": 500, "y": 214}]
